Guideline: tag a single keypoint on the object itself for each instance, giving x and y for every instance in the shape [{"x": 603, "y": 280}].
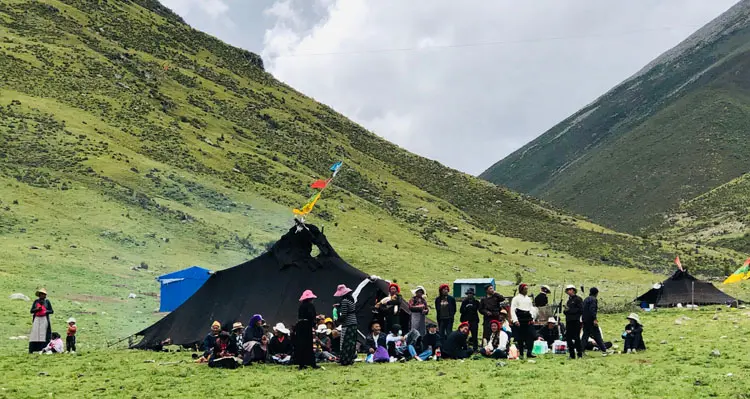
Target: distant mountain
[{"x": 673, "y": 131}]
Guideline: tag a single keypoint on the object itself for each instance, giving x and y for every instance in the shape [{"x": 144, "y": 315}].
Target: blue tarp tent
[{"x": 178, "y": 286}]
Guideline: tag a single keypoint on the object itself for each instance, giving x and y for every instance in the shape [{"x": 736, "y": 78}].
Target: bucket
[
  {"x": 540, "y": 348},
  {"x": 559, "y": 347}
]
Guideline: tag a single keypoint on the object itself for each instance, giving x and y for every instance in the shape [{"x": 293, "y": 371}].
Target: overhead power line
[{"x": 487, "y": 44}]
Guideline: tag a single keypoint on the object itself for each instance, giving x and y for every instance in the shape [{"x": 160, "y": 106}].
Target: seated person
[
  {"x": 54, "y": 346},
  {"x": 210, "y": 341},
  {"x": 254, "y": 329},
  {"x": 633, "y": 335},
  {"x": 224, "y": 353},
  {"x": 497, "y": 345},
  {"x": 431, "y": 344},
  {"x": 336, "y": 340},
  {"x": 329, "y": 323},
  {"x": 280, "y": 349},
  {"x": 256, "y": 352},
  {"x": 591, "y": 344},
  {"x": 375, "y": 338},
  {"x": 396, "y": 343},
  {"x": 552, "y": 332},
  {"x": 322, "y": 345},
  {"x": 456, "y": 347}
]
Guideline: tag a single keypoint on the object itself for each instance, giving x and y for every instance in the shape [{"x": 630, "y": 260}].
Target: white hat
[
  {"x": 635, "y": 317},
  {"x": 571, "y": 287},
  {"x": 322, "y": 329},
  {"x": 280, "y": 327},
  {"x": 552, "y": 320},
  {"x": 546, "y": 287},
  {"x": 419, "y": 287},
  {"x": 71, "y": 320}
]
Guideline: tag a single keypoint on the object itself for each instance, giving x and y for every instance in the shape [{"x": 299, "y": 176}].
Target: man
[
  {"x": 431, "y": 342},
  {"x": 489, "y": 306},
  {"x": 455, "y": 346},
  {"x": 573, "y": 311},
  {"x": 469, "y": 314},
  {"x": 522, "y": 314},
  {"x": 541, "y": 299},
  {"x": 590, "y": 322},
  {"x": 551, "y": 332},
  {"x": 375, "y": 338},
  {"x": 445, "y": 305}
]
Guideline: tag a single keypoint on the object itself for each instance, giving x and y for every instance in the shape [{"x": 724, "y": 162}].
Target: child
[
  {"x": 54, "y": 346},
  {"x": 70, "y": 340}
]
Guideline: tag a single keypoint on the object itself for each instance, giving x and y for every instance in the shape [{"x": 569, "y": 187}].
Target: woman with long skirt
[
  {"x": 304, "y": 354},
  {"x": 348, "y": 319},
  {"x": 41, "y": 329},
  {"x": 419, "y": 309}
]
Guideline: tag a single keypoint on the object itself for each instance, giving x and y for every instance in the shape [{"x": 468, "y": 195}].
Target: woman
[
  {"x": 41, "y": 329},
  {"x": 280, "y": 348},
  {"x": 390, "y": 306},
  {"x": 256, "y": 352},
  {"x": 304, "y": 354},
  {"x": 633, "y": 335},
  {"x": 419, "y": 309},
  {"x": 496, "y": 346},
  {"x": 348, "y": 320},
  {"x": 254, "y": 330},
  {"x": 224, "y": 353}
]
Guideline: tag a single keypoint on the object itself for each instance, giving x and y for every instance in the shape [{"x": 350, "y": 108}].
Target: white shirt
[{"x": 522, "y": 302}]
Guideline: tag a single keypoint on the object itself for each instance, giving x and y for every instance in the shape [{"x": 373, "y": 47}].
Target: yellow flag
[{"x": 308, "y": 206}]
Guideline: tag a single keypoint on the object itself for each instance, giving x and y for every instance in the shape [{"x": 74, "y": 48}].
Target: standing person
[
  {"x": 573, "y": 312},
  {"x": 522, "y": 314},
  {"x": 541, "y": 302},
  {"x": 419, "y": 309},
  {"x": 590, "y": 321},
  {"x": 70, "y": 339},
  {"x": 348, "y": 320},
  {"x": 389, "y": 306},
  {"x": 455, "y": 347},
  {"x": 489, "y": 306},
  {"x": 304, "y": 353},
  {"x": 445, "y": 306},
  {"x": 470, "y": 314},
  {"x": 41, "y": 329}
]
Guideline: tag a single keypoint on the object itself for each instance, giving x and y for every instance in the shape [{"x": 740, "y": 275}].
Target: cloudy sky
[{"x": 464, "y": 82}]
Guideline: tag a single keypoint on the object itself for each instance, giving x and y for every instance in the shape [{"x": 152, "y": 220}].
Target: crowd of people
[{"x": 509, "y": 330}]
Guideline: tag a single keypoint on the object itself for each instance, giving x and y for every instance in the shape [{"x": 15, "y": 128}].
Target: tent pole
[{"x": 692, "y": 294}]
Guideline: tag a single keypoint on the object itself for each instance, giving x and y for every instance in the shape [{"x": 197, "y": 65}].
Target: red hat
[
  {"x": 520, "y": 287},
  {"x": 398, "y": 289},
  {"x": 500, "y": 325},
  {"x": 444, "y": 286},
  {"x": 463, "y": 324}
]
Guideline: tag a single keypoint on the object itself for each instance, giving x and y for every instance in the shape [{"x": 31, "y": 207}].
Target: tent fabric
[
  {"x": 178, "y": 286},
  {"x": 270, "y": 285},
  {"x": 679, "y": 289}
]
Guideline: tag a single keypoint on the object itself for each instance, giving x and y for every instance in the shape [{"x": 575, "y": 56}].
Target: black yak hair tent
[
  {"x": 679, "y": 289},
  {"x": 271, "y": 285}
]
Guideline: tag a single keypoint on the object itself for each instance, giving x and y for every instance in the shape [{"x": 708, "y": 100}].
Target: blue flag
[{"x": 336, "y": 166}]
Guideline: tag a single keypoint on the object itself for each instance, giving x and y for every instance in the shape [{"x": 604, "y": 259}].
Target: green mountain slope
[
  {"x": 673, "y": 131},
  {"x": 132, "y": 145}
]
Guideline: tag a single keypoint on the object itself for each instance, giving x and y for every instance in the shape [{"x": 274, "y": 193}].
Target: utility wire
[{"x": 484, "y": 44}]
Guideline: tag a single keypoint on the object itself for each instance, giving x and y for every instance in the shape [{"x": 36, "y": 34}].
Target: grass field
[{"x": 677, "y": 364}]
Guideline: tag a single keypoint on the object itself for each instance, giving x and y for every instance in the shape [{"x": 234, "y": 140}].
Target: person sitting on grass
[
  {"x": 591, "y": 344},
  {"x": 551, "y": 333},
  {"x": 237, "y": 335},
  {"x": 633, "y": 335},
  {"x": 280, "y": 349},
  {"x": 224, "y": 353},
  {"x": 322, "y": 345},
  {"x": 497, "y": 345},
  {"x": 254, "y": 330},
  {"x": 431, "y": 343},
  {"x": 396, "y": 343},
  {"x": 256, "y": 352},
  {"x": 375, "y": 339},
  {"x": 455, "y": 347},
  {"x": 209, "y": 342},
  {"x": 54, "y": 346}
]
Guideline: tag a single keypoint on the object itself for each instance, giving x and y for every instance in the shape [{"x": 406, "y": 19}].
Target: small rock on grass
[
  {"x": 715, "y": 353},
  {"x": 501, "y": 364},
  {"x": 43, "y": 373},
  {"x": 149, "y": 361}
]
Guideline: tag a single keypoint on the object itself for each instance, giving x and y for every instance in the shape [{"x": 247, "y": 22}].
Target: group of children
[{"x": 55, "y": 345}]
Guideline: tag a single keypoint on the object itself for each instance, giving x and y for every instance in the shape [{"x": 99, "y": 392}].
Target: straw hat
[
  {"x": 635, "y": 317},
  {"x": 237, "y": 326},
  {"x": 71, "y": 320},
  {"x": 322, "y": 329},
  {"x": 307, "y": 295},
  {"x": 41, "y": 291},
  {"x": 503, "y": 311},
  {"x": 342, "y": 290},
  {"x": 552, "y": 320},
  {"x": 280, "y": 327}
]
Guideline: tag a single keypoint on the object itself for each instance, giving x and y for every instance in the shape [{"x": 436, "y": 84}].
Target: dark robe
[
  {"x": 304, "y": 353},
  {"x": 634, "y": 338}
]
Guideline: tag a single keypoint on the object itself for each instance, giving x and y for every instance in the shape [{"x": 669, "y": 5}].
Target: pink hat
[
  {"x": 342, "y": 290},
  {"x": 307, "y": 295}
]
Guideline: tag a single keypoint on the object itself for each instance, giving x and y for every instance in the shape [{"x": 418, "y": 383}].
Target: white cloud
[
  {"x": 468, "y": 106},
  {"x": 211, "y": 8}
]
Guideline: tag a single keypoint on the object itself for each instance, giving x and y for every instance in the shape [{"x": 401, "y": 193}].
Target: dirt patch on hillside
[{"x": 93, "y": 298}]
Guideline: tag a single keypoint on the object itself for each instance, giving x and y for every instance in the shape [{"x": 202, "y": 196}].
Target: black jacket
[
  {"x": 541, "y": 300},
  {"x": 470, "y": 310},
  {"x": 574, "y": 308},
  {"x": 371, "y": 344},
  {"x": 276, "y": 347},
  {"x": 253, "y": 333},
  {"x": 455, "y": 342},
  {"x": 490, "y": 306},
  {"x": 590, "y": 309},
  {"x": 451, "y": 308},
  {"x": 636, "y": 335},
  {"x": 431, "y": 340},
  {"x": 552, "y": 335}
]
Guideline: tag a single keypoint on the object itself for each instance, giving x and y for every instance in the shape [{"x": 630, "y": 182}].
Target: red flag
[
  {"x": 321, "y": 184},
  {"x": 747, "y": 262},
  {"x": 679, "y": 265}
]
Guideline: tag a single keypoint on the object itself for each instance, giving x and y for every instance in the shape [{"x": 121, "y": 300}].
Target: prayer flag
[
  {"x": 743, "y": 273},
  {"x": 335, "y": 167},
  {"x": 678, "y": 263},
  {"x": 320, "y": 183},
  {"x": 308, "y": 206}
]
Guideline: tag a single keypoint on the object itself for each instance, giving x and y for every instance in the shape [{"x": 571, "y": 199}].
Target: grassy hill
[
  {"x": 675, "y": 130},
  {"x": 132, "y": 145},
  {"x": 720, "y": 217}
]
